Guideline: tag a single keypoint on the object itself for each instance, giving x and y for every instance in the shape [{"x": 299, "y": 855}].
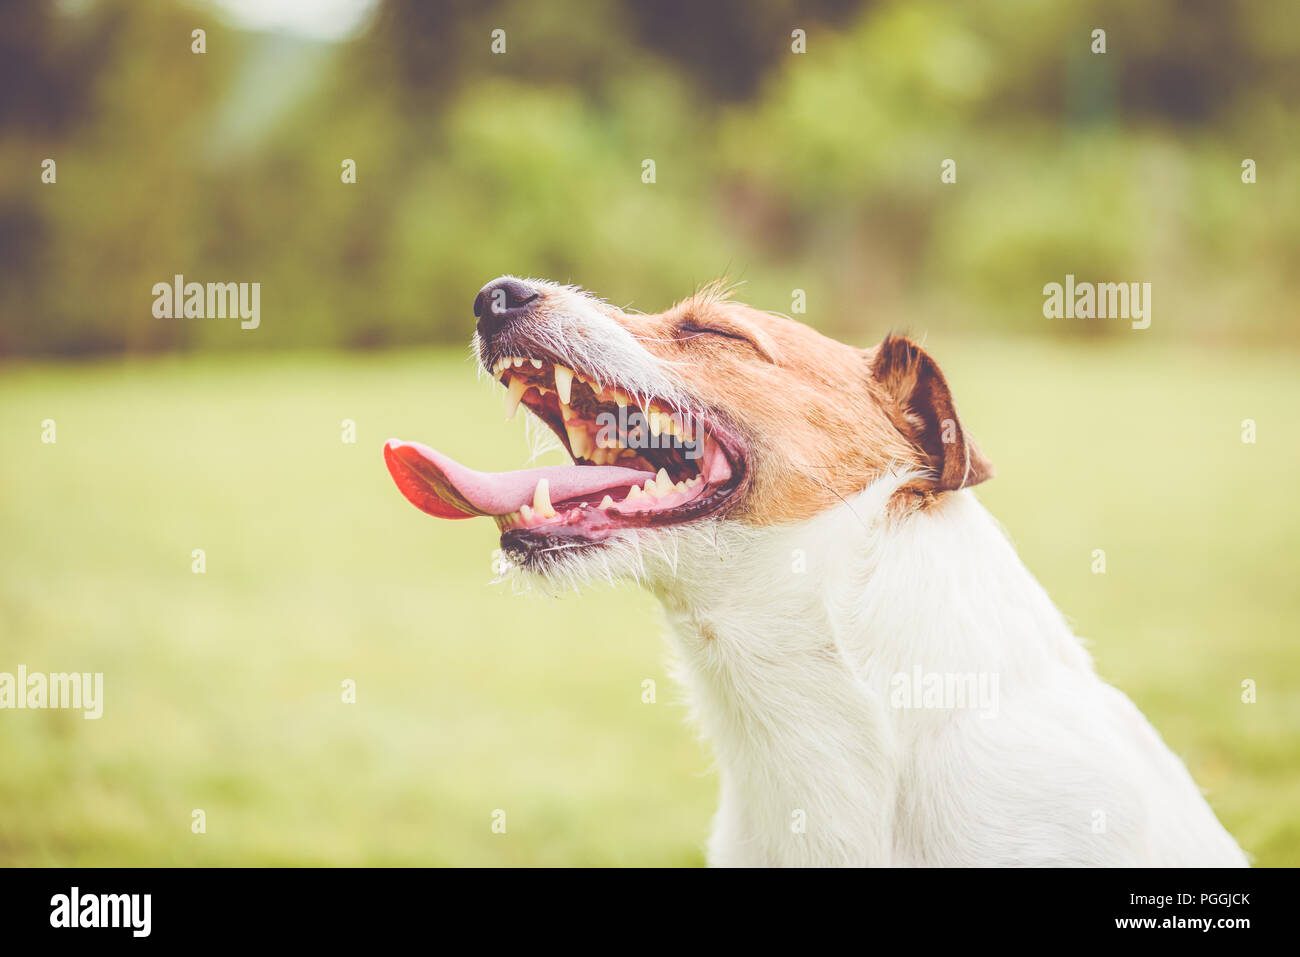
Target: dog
[{"x": 882, "y": 680}]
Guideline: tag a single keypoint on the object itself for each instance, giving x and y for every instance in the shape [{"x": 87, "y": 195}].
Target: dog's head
[{"x": 708, "y": 412}]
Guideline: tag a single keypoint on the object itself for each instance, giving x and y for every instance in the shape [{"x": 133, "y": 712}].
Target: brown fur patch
[{"x": 821, "y": 419}]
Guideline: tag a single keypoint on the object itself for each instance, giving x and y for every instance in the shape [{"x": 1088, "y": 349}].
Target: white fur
[{"x": 792, "y": 673}]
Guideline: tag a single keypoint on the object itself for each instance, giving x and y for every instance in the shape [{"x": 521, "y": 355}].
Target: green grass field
[{"x": 222, "y": 690}]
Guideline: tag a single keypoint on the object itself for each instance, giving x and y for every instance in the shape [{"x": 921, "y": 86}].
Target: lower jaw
[
  {"x": 532, "y": 548},
  {"x": 591, "y": 528}
]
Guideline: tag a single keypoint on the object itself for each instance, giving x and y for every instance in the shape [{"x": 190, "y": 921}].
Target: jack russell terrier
[{"x": 882, "y": 680}]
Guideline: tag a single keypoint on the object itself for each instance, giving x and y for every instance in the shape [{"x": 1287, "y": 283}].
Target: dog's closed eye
[{"x": 691, "y": 329}]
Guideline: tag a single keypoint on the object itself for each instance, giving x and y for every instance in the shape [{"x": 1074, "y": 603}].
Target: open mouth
[{"x": 637, "y": 462}]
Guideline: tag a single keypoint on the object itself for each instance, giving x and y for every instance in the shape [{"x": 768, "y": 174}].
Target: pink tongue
[{"x": 441, "y": 486}]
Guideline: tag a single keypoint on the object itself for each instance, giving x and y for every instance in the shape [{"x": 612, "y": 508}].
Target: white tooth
[
  {"x": 680, "y": 486},
  {"x": 542, "y": 499},
  {"x": 526, "y": 513},
  {"x": 537, "y": 363},
  {"x": 606, "y": 502},
  {"x": 664, "y": 483},
  {"x": 620, "y": 399},
  {"x": 634, "y": 494},
  {"x": 564, "y": 383},
  {"x": 517, "y": 389},
  {"x": 651, "y": 489},
  {"x": 518, "y": 362}
]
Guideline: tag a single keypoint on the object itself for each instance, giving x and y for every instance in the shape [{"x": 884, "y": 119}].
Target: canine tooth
[
  {"x": 542, "y": 499},
  {"x": 537, "y": 363},
  {"x": 564, "y": 383},
  {"x": 517, "y": 389},
  {"x": 606, "y": 502},
  {"x": 579, "y": 440}
]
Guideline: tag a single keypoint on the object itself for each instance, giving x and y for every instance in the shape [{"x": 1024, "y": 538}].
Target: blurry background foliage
[{"x": 816, "y": 171}]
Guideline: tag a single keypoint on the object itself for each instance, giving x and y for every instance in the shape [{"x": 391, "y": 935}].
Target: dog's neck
[{"x": 791, "y": 642}]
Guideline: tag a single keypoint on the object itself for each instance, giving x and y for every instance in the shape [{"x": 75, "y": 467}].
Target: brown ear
[{"x": 917, "y": 399}]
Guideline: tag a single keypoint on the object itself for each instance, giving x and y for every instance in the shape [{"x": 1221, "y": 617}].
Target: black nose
[{"x": 500, "y": 301}]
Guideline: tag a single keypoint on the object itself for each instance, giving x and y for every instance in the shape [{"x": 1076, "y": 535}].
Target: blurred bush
[{"x": 817, "y": 171}]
